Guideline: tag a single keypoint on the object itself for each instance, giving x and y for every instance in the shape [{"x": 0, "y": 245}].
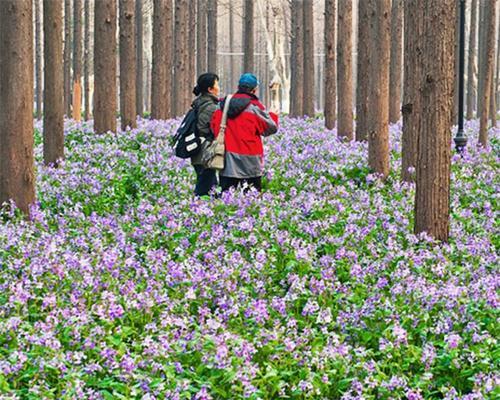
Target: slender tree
[
  {"x": 432, "y": 197},
  {"x": 487, "y": 76},
  {"x": 480, "y": 57},
  {"x": 232, "y": 61},
  {"x": 413, "y": 77},
  {"x": 86, "y": 60},
  {"x": 105, "y": 66},
  {"x": 161, "y": 76},
  {"x": 471, "y": 67},
  {"x": 191, "y": 46},
  {"x": 330, "y": 65},
  {"x": 201, "y": 36},
  {"x": 67, "y": 57},
  {"x": 363, "y": 74},
  {"x": 77, "y": 59},
  {"x": 139, "y": 38},
  {"x": 38, "y": 51},
  {"x": 181, "y": 58},
  {"x": 53, "y": 95},
  {"x": 128, "y": 57},
  {"x": 297, "y": 57},
  {"x": 248, "y": 38},
  {"x": 396, "y": 61},
  {"x": 17, "y": 179},
  {"x": 378, "y": 86},
  {"x": 308, "y": 57},
  {"x": 212, "y": 35},
  {"x": 344, "y": 69}
]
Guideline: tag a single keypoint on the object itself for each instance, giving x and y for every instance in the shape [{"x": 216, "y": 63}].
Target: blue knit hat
[{"x": 248, "y": 80}]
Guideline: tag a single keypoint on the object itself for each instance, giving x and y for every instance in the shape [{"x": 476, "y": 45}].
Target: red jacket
[{"x": 247, "y": 122}]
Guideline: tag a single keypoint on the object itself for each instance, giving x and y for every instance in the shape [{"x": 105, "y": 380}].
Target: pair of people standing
[{"x": 247, "y": 121}]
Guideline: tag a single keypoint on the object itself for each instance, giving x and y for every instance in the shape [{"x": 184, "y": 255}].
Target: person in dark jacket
[
  {"x": 207, "y": 92},
  {"x": 247, "y": 121}
]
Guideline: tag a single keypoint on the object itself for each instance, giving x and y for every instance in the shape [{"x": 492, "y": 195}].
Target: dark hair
[
  {"x": 205, "y": 82},
  {"x": 245, "y": 89}
]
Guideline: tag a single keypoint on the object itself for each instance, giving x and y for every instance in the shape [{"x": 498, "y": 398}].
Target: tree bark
[
  {"x": 456, "y": 28},
  {"x": 128, "y": 60},
  {"x": 191, "y": 46},
  {"x": 181, "y": 70},
  {"x": 363, "y": 72},
  {"x": 86, "y": 61},
  {"x": 67, "y": 57},
  {"x": 378, "y": 86},
  {"x": 139, "y": 71},
  {"x": 105, "y": 66},
  {"x": 212, "y": 36},
  {"x": 487, "y": 76},
  {"x": 330, "y": 65},
  {"x": 53, "y": 121},
  {"x": 480, "y": 57},
  {"x": 413, "y": 77},
  {"x": 38, "y": 70},
  {"x": 344, "y": 69},
  {"x": 297, "y": 60},
  {"x": 17, "y": 178},
  {"x": 471, "y": 68},
  {"x": 201, "y": 37},
  {"x": 432, "y": 197},
  {"x": 232, "y": 62},
  {"x": 396, "y": 61},
  {"x": 161, "y": 77},
  {"x": 308, "y": 58},
  {"x": 248, "y": 38},
  {"x": 77, "y": 59}
]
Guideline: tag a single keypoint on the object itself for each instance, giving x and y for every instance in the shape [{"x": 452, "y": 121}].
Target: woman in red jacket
[{"x": 247, "y": 121}]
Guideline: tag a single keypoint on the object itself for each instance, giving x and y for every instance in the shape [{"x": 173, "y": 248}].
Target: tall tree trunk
[
  {"x": 161, "y": 77},
  {"x": 248, "y": 38},
  {"x": 212, "y": 36},
  {"x": 308, "y": 58},
  {"x": 191, "y": 46},
  {"x": 86, "y": 61},
  {"x": 53, "y": 95},
  {"x": 432, "y": 197},
  {"x": 67, "y": 57},
  {"x": 297, "y": 60},
  {"x": 487, "y": 76},
  {"x": 38, "y": 50},
  {"x": 77, "y": 59},
  {"x": 17, "y": 179},
  {"x": 363, "y": 72},
  {"x": 201, "y": 37},
  {"x": 413, "y": 77},
  {"x": 232, "y": 62},
  {"x": 396, "y": 61},
  {"x": 344, "y": 69},
  {"x": 480, "y": 56},
  {"x": 139, "y": 71},
  {"x": 330, "y": 65},
  {"x": 128, "y": 59},
  {"x": 105, "y": 66},
  {"x": 180, "y": 87},
  {"x": 456, "y": 27},
  {"x": 471, "y": 68},
  {"x": 378, "y": 86},
  {"x": 497, "y": 83}
]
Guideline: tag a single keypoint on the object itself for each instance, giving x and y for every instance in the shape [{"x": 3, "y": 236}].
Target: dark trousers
[
  {"x": 228, "y": 183},
  {"x": 206, "y": 180}
]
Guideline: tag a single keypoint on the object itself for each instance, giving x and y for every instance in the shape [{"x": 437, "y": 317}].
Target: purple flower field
[{"x": 127, "y": 287}]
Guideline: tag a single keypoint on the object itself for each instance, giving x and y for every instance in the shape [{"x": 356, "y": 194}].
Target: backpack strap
[{"x": 223, "y": 123}]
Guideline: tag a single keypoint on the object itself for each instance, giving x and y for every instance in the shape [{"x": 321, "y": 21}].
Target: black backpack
[{"x": 187, "y": 142}]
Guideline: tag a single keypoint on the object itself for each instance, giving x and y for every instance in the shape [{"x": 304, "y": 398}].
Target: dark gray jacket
[{"x": 206, "y": 104}]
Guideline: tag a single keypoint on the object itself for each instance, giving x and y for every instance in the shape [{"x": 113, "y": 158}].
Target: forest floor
[{"x": 126, "y": 286}]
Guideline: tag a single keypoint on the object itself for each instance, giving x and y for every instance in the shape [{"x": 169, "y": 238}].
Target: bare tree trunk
[
  {"x": 201, "y": 39},
  {"x": 161, "y": 105},
  {"x": 248, "y": 38},
  {"x": 86, "y": 67},
  {"x": 432, "y": 197},
  {"x": 128, "y": 64},
  {"x": 180, "y": 65},
  {"x": 413, "y": 77},
  {"x": 212, "y": 36},
  {"x": 330, "y": 65},
  {"x": 378, "y": 86},
  {"x": 308, "y": 58},
  {"x": 190, "y": 50},
  {"x": 480, "y": 56},
  {"x": 497, "y": 87},
  {"x": 17, "y": 178},
  {"x": 297, "y": 60},
  {"x": 344, "y": 69},
  {"x": 139, "y": 71},
  {"x": 53, "y": 121},
  {"x": 38, "y": 50},
  {"x": 454, "y": 110},
  {"x": 363, "y": 72},
  {"x": 396, "y": 61},
  {"x": 471, "y": 68},
  {"x": 67, "y": 57},
  {"x": 232, "y": 63},
  {"x": 105, "y": 66},
  {"x": 77, "y": 59},
  {"x": 487, "y": 76}
]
